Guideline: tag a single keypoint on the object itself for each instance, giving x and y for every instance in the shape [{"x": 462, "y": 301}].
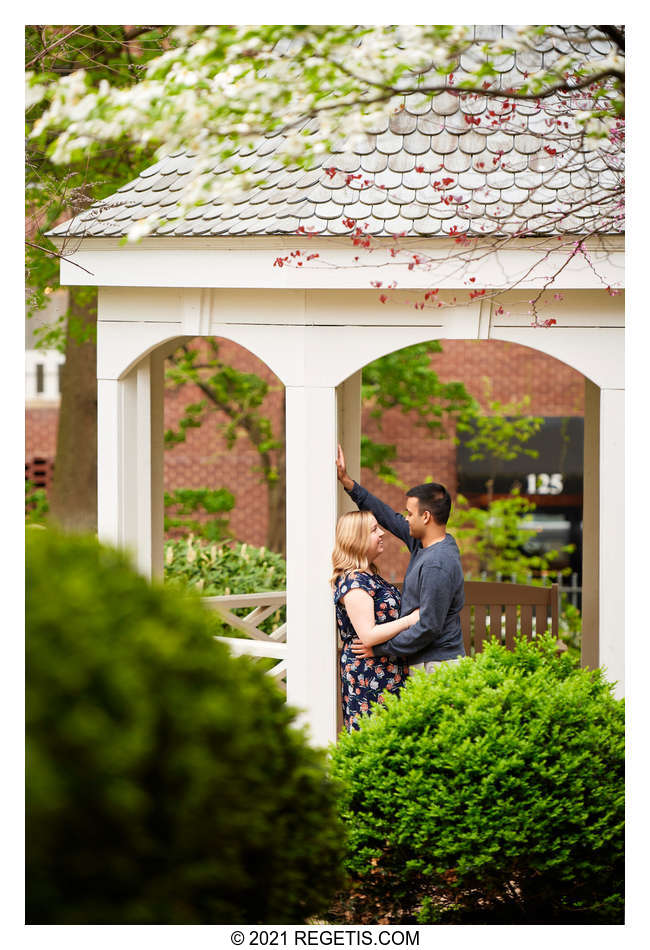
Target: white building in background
[{"x": 43, "y": 366}]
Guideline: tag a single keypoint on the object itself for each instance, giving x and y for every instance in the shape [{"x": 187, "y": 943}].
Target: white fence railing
[
  {"x": 42, "y": 374},
  {"x": 256, "y": 643}
]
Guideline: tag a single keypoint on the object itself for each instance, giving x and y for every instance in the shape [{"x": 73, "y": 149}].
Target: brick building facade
[{"x": 489, "y": 369}]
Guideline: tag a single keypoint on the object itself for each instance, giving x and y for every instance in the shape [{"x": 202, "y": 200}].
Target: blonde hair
[{"x": 351, "y": 544}]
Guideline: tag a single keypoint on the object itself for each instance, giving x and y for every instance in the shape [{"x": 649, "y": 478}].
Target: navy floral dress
[{"x": 364, "y": 681}]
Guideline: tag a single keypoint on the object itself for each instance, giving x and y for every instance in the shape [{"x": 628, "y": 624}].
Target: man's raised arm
[{"x": 390, "y": 520}]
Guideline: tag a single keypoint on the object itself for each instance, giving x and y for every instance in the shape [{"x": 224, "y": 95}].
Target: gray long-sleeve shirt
[{"x": 433, "y": 582}]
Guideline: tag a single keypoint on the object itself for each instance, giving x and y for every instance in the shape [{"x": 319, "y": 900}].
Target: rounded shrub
[
  {"x": 489, "y": 791},
  {"x": 165, "y": 780}
]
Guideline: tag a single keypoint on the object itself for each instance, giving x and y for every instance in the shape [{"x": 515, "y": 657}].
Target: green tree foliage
[
  {"x": 501, "y": 432},
  {"x": 166, "y": 782},
  {"x": 36, "y": 503},
  {"x": 493, "y": 539},
  {"x": 235, "y": 399},
  {"x": 115, "y": 54},
  {"x": 105, "y": 54},
  {"x": 405, "y": 380},
  {"x": 489, "y": 792},
  {"x": 182, "y": 503}
]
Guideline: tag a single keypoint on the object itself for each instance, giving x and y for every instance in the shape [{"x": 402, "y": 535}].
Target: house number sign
[{"x": 542, "y": 483}]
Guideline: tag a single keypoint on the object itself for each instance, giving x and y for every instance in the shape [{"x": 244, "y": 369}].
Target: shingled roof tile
[
  {"x": 515, "y": 163},
  {"x": 398, "y": 225},
  {"x": 388, "y": 179},
  {"x": 357, "y": 211},
  {"x": 376, "y": 226},
  {"x": 366, "y": 144},
  {"x": 350, "y": 162},
  {"x": 372, "y": 195},
  {"x": 402, "y": 122},
  {"x": 541, "y": 162},
  {"x": 500, "y": 178},
  {"x": 414, "y": 210},
  {"x": 444, "y": 103},
  {"x": 502, "y": 169},
  {"x": 401, "y": 162},
  {"x": 471, "y": 143},
  {"x": 418, "y": 103},
  {"x": 310, "y": 178},
  {"x": 336, "y": 226},
  {"x": 388, "y": 143},
  {"x": 385, "y": 211},
  {"x": 430, "y": 123},
  {"x": 374, "y": 162},
  {"x": 416, "y": 143},
  {"x": 457, "y": 162}
]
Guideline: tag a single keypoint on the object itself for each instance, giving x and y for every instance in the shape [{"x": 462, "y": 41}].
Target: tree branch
[
  {"x": 52, "y": 46},
  {"x": 62, "y": 257},
  {"x": 617, "y": 36}
]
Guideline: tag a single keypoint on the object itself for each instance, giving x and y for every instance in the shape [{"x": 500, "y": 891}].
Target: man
[{"x": 434, "y": 578}]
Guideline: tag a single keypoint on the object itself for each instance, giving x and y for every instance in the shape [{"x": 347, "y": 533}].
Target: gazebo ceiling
[{"x": 456, "y": 164}]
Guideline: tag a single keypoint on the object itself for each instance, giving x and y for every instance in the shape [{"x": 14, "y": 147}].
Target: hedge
[
  {"x": 490, "y": 791},
  {"x": 166, "y": 782}
]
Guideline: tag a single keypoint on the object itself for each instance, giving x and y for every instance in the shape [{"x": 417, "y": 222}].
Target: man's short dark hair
[{"x": 434, "y": 498}]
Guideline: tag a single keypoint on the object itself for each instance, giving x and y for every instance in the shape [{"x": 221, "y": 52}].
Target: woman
[{"x": 367, "y": 607}]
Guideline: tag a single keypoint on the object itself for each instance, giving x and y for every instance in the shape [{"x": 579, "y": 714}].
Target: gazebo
[{"x": 485, "y": 211}]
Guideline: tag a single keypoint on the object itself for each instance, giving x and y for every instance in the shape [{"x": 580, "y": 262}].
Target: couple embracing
[{"x": 386, "y": 634}]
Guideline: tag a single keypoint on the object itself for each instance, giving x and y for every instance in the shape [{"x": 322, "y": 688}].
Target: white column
[
  {"x": 348, "y": 404},
  {"x": 157, "y": 401},
  {"x": 590, "y": 654},
  {"x": 311, "y": 520},
  {"x": 130, "y": 463},
  {"x": 612, "y": 536},
  {"x": 116, "y": 450},
  {"x": 143, "y": 466}
]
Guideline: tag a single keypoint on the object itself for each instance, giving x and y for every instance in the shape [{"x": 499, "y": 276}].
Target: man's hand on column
[{"x": 341, "y": 472}]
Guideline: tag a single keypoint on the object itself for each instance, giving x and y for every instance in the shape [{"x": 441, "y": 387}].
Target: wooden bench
[{"x": 485, "y": 599}]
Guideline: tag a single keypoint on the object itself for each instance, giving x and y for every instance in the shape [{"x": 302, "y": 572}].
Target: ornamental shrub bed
[
  {"x": 196, "y": 565},
  {"x": 212, "y": 569},
  {"x": 165, "y": 780},
  {"x": 490, "y": 791}
]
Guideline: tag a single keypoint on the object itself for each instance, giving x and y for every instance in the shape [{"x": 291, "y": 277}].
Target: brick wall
[{"x": 508, "y": 370}]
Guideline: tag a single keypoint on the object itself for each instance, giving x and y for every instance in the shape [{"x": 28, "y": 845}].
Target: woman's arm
[{"x": 361, "y": 611}]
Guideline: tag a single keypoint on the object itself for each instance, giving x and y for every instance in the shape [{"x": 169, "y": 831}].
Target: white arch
[{"x": 316, "y": 342}]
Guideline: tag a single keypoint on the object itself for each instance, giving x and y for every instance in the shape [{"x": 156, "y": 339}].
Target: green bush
[
  {"x": 36, "y": 503},
  {"x": 214, "y": 569},
  {"x": 165, "y": 782},
  {"x": 208, "y": 504},
  {"x": 490, "y": 791}
]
